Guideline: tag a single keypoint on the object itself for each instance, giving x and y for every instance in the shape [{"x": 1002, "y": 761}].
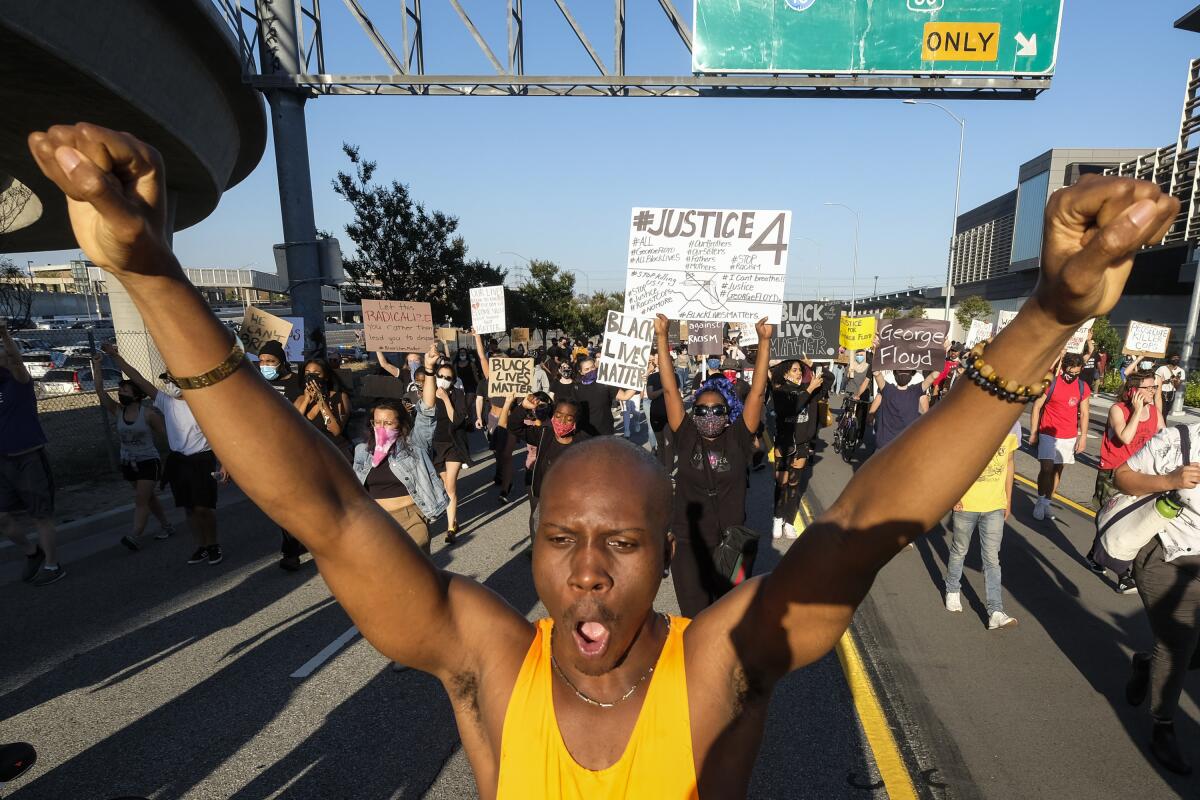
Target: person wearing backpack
[{"x": 1058, "y": 425}]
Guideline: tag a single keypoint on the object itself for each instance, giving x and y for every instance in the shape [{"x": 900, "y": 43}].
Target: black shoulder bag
[{"x": 737, "y": 541}]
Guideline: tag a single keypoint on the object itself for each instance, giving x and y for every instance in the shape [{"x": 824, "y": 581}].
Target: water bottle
[{"x": 1169, "y": 505}]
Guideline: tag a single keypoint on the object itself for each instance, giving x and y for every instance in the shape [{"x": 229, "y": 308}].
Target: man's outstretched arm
[
  {"x": 796, "y": 614},
  {"x": 411, "y": 611}
]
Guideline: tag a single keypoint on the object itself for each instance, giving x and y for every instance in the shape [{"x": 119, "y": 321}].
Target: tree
[
  {"x": 549, "y": 295},
  {"x": 1107, "y": 339},
  {"x": 404, "y": 252},
  {"x": 972, "y": 308},
  {"x": 591, "y": 313},
  {"x": 16, "y": 294},
  {"x": 891, "y": 312},
  {"x": 916, "y": 312}
]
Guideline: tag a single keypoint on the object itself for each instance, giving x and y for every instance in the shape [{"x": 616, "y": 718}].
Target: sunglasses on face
[{"x": 710, "y": 411}]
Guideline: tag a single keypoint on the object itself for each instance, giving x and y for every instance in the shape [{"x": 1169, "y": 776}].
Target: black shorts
[
  {"x": 27, "y": 485},
  {"x": 791, "y": 453},
  {"x": 191, "y": 479},
  {"x": 148, "y": 470},
  {"x": 446, "y": 452}
]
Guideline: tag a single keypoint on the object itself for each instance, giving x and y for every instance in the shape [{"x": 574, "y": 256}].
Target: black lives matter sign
[
  {"x": 807, "y": 328},
  {"x": 916, "y": 344}
]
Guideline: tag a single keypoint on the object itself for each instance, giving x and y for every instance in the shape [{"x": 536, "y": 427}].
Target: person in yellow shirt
[
  {"x": 986, "y": 505},
  {"x": 606, "y": 698}
]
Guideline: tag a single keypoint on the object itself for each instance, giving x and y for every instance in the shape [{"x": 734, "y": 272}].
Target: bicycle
[{"x": 848, "y": 435}]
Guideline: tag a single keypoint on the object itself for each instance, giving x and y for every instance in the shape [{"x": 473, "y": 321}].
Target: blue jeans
[
  {"x": 991, "y": 531},
  {"x": 629, "y": 416}
]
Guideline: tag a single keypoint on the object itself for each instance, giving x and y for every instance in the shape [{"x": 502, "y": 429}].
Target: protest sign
[
  {"x": 1144, "y": 339},
  {"x": 520, "y": 335},
  {"x": 916, "y": 344},
  {"x": 708, "y": 265},
  {"x": 807, "y": 328},
  {"x": 397, "y": 325},
  {"x": 509, "y": 376},
  {"x": 448, "y": 334},
  {"x": 980, "y": 332},
  {"x": 706, "y": 338},
  {"x": 856, "y": 333},
  {"x": 626, "y": 351},
  {"x": 487, "y": 309},
  {"x": 294, "y": 349},
  {"x": 1079, "y": 338},
  {"x": 259, "y": 327},
  {"x": 1003, "y": 318},
  {"x": 745, "y": 333}
]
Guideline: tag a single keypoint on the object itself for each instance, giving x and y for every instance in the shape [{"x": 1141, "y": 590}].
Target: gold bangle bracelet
[{"x": 218, "y": 373}]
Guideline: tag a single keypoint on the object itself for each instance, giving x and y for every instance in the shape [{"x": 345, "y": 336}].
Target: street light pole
[
  {"x": 962, "y": 137},
  {"x": 854, "y": 270}
]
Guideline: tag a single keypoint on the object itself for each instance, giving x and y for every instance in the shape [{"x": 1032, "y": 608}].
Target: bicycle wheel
[{"x": 837, "y": 441}]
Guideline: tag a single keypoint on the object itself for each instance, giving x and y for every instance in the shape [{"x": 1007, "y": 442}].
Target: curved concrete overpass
[{"x": 168, "y": 72}]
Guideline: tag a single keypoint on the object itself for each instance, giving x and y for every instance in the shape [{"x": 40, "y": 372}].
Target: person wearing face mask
[
  {"x": 325, "y": 402},
  {"x": 714, "y": 445},
  {"x": 405, "y": 374},
  {"x": 596, "y": 401},
  {"x": 710, "y": 367},
  {"x": 450, "y": 448},
  {"x": 470, "y": 372},
  {"x": 1058, "y": 425},
  {"x": 274, "y": 366},
  {"x": 794, "y": 392},
  {"x": 191, "y": 468},
  {"x": 897, "y": 405},
  {"x": 393, "y": 463},
  {"x": 140, "y": 463},
  {"x": 551, "y": 437},
  {"x": 564, "y": 387},
  {"x": 859, "y": 380},
  {"x": 1171, "y": 378}
]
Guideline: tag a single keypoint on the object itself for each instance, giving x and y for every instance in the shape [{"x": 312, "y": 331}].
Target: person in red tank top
[{"x": 1132, "y": 421}]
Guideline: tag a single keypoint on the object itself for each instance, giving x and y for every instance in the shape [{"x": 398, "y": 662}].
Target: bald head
[{"x": 613, "y": 470}]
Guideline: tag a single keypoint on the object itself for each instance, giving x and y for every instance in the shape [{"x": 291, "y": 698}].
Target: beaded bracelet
[{"x": 984, "y": 376}]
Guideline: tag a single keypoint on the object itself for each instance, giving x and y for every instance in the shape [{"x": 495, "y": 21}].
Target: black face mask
[
  {"x": 1069, "y": 378},
  {"x": 312, "y": 377}
]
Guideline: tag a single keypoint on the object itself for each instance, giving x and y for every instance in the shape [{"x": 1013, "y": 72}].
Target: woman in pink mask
[
  {"x": 393, "y": 463},
  {"x": 550, "y": 437}
]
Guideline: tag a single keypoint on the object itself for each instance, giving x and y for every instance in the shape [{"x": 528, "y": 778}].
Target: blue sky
[{"x": 555, "y": 178}]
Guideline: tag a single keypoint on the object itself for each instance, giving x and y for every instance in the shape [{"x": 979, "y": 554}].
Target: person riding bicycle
[{"x": 859, "y": 379}]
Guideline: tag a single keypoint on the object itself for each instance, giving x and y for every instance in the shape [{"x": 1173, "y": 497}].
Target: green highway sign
[{"x": 941, "y": 37}]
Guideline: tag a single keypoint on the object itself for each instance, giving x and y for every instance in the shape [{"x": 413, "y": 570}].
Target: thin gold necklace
[{"x": 591, "y": 700}]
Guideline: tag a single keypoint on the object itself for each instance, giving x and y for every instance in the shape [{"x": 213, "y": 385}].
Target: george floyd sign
[
  {"x": 807, "y": 328},
  {"x": 916, "y": 344}
]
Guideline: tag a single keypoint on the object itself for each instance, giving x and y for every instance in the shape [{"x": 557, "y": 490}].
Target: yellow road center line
[
  {"x": 1058, "y": 497},
  {"x": 888, "y": 760}
]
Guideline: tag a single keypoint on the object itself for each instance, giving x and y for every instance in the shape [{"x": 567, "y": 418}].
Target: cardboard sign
[
  {"x": 259, "y": 327},
  {"x": 1003, "y": 318},
  {"x": 487, "y": 309},
  {"x": 745, "y": 333},
  {"x": 706, "y": 338},
  {"x": 1144, "y": 339},
  {"x": 980, "y": 332},
  {"x": 397, "y": 325},
  {"x": 676, "y": 332},
  {"x": 807, "y": 329},
  {"x": 625, "y": 352},
  {"x": 1079, "y": 338},
  {"x": 707, "y": 265},
  {"x": 509, "y": 376},
  {"x": 520, "y": 335},
  {"x": 445, "y": 334},
  {"x": 856, "y": 333},
  {"x": 294, "y": 349},
  {"x": 915, "y": 344}
]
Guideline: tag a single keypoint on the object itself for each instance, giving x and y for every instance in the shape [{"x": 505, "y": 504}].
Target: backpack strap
[
  {"x": 1185, "y": 443},
  {"x": 1050, "y": 389}
]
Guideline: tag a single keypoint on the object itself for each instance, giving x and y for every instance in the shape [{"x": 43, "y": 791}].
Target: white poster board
[
  {"x": 980, "y": 332},
  {"x": 294, "y": 348},
  {"x": 1079, "y": 338},
  {"x": 487, "y": 309},
  {"x": 1003, "y": 318},
  {"x": 1144, "y": 339},
  {"x": 745, "y": 332},
  {"x": 707, "y": 265},
  {"x": 625, "y": 351}
]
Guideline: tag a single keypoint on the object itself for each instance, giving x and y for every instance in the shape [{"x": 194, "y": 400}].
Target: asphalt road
[{"x": 140, "y": 674}]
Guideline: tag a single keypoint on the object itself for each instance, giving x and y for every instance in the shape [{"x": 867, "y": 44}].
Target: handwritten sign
[
  {"x": 487, "y": 309},
  {"x": 1144, "y": 339},
  {"x": 807, "y": 329},
  {"x": 915, "y": 344},
  {"x": 450, "y": 335},
  {"x": 509, "y": 376},
  {"x": 708, "y": 265},
  {"x": 520, "y": 335},
  {"x": 626, "y": 351},
  {"x": 706, "y": 338},
  {"x": 397, "y": 325},
  {"x": 745, "y": 333},
  {"x": 980, "y": 332},
  {"x": 259, "y": 327},
  {"x": 1079, "y": 338},
  {"x": 1003, "y": 318},
  {"x": 857, "y": 333},
  {"x": 294, "y": 349}
]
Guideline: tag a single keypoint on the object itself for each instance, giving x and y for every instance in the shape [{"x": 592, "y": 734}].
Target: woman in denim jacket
[{"x": 393, "y": 463}]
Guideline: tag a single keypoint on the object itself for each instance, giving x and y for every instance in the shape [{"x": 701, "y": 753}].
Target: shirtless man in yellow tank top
[{"x": 611, "y": 699}]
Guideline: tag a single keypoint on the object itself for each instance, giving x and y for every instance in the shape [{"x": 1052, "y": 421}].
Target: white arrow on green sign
[{"x": 910, "y": 37}]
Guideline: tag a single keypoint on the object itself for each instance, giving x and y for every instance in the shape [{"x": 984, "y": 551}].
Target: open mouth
[{"x": 591, "y": 638}]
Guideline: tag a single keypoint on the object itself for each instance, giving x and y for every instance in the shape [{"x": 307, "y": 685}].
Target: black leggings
[
  {"x": 666, "y": 455},
  {"x": 1170, "y": 592},
  {"x": 790, "y": 491},
  {"x": 697, "y": 584}
]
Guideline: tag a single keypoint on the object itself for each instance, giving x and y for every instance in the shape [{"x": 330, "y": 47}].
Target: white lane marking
[{"x": 326, "y": 653}]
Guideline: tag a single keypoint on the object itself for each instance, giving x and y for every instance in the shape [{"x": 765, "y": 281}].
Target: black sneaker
[
  {"x": 503, "y": 499},
  {"x": 214, "y": 554},
  {"x": 1165, "y": 748},
  {"x": 1094, "y": 567},
  {"x": 32, "y": 564},
  {"x": 45, "y": 576},
  {"x": 1127, "y": 585},
  {"x": 129, "y": 542},
  {"x": 289, "y": 563},
  {"x": 200, "y": 556}
]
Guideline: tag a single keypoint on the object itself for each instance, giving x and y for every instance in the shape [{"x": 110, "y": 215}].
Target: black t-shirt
[
  {"x": 466, "y": 374},
  {"x": 288, "y": 386},
  {"x": 595, "y": 408},
  {"x": 549, "y": 449},
  {"x": 445, "y": 431},
  {"x": 658, "y": 406},
  {"x": 695, "y": 513},
  {"x": 564, "y": 391},
  {"x": 796, "y": 414}
]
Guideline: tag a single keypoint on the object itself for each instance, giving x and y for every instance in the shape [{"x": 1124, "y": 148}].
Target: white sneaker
[
  {"x": 999, "y": 619},
  {"x": 953, "y": 601},
  {"x": 777, "y": 527},
  {"x": 789, "y": 531},
  {"x": 1040, "y": 507}
]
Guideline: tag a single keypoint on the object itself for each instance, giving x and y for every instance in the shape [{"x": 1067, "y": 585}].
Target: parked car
[
  {"x": 81, "y": 349},
  {"x": 84, "y": 362},
  {"x": 28, "y": 344},
  {"x": 51, "y": 325},
  {"x": 39, "y": 362},
  {"x": 74, "y": 381}
]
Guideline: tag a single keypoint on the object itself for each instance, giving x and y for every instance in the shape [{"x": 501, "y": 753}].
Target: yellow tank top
[{"x": 657, "y": 763}]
